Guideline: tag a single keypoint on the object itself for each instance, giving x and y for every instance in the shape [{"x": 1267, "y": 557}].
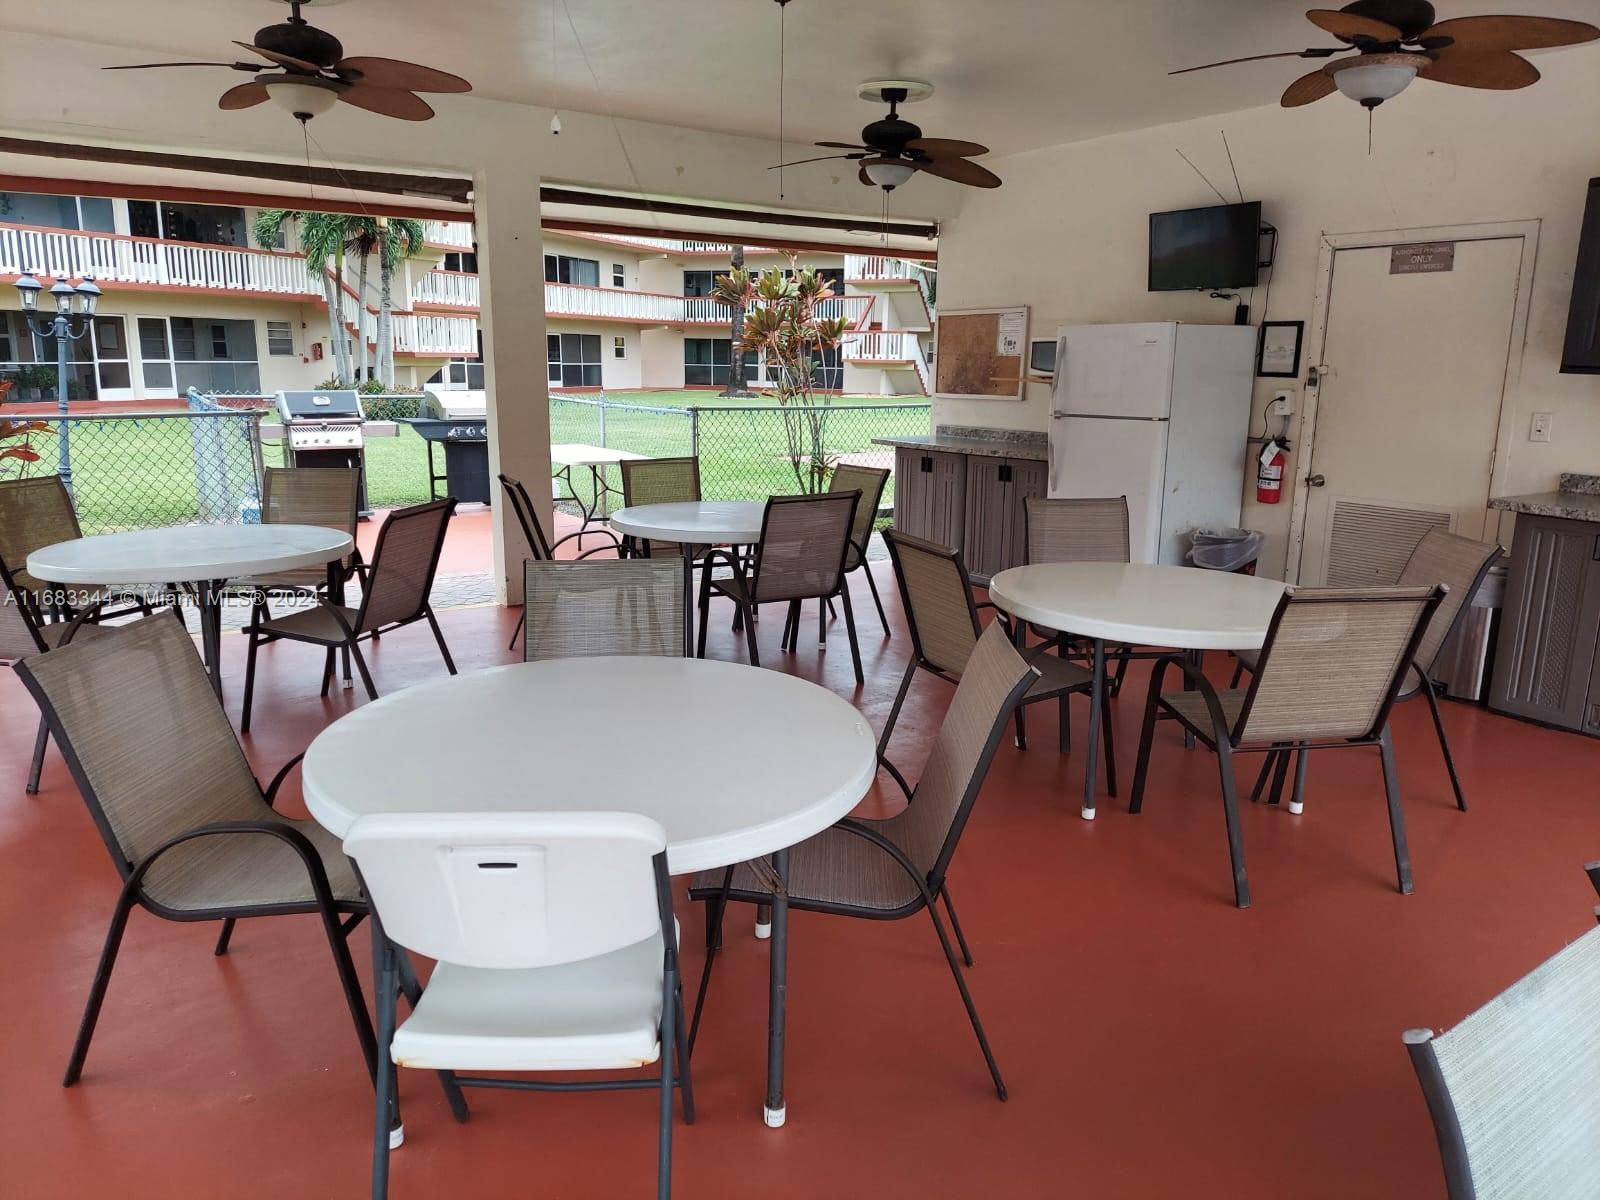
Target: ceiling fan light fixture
[
  {"x": 1370, "y": 79},
  {"x": 304, "y": 98},
  {"x": 888, "y": 173}
]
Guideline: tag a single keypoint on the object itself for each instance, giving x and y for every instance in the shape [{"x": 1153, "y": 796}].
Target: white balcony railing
[
  {"x": 884, "y": 271},
  {"x": 618, "y": 304},
  {"x": 115, "y": 258},
  {"x": 453, "y": 288},
  {"x": 703, "y": 310},
  {"x": 889, "y": 350},
  {"x": 455, "y": 234},
  {"x": 428, "y": 335}
]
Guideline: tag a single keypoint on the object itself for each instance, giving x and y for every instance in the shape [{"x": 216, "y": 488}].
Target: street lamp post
[{"x": 73, "y": 318}]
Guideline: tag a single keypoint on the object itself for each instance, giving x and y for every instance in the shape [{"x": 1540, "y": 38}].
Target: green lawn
[{"x": 139, "y": 473}]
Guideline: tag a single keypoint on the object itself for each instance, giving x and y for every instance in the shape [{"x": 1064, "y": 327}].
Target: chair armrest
[
  {"x": 320, "y": 888},
  {"x": 271, "y": 792},
  {"x": 861, "y": 829},
  {"x": 90, "y": 614},
  {"x": 1196, "y": 676}
]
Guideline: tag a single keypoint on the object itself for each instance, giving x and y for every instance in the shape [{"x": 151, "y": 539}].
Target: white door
[
  {"x": 1408, "y": 411},
  {"x": 1094, "y": 457},
  {"x": 1114, "y": 370}
]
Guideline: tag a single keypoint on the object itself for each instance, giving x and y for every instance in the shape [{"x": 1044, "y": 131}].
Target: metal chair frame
[
  {"x": 353, "y": 634},
  {"x": 1217, "y": 736},
  {"x": 931, "y": 887},
  {"x": 542, "y": 549}
]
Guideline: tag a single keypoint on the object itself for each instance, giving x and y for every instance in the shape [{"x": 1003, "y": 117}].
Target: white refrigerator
[{"x": 1159, "y": 413}]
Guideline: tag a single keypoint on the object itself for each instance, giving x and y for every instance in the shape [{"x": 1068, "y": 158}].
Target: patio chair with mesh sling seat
[
  {"x": 1461, "y": 565},
  {"x": 942, "y": 616},
  {"x": 887, "y": 870},
  {"x": 1079, "y": 530},
  {"x": 38, "y": 512},
  {"x": 394, "y": 593},
  {"x": 659, "y": 481},
  {"x": 582, "y": 609},
  {"x": 1511, "y": 1088},
  {"x": 870, "y": 482},
  {"x": 25, "y": 632},
  {"x": 540, "y": 547},
  {"x": 805, "y": 545},
  {"x": 192, "y": 833},
  {"x": 1328, "y": 674}
]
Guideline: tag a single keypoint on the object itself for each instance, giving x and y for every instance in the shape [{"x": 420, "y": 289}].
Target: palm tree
[
  {"x": 322, "y": 237},
  {"x": 399, "y": 238},
  {"x": 737, "y": 385},
  {"x": 361, "y": 240}
]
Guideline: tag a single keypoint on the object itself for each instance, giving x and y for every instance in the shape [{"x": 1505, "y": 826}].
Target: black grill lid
[{"x": 319, "y": 405}]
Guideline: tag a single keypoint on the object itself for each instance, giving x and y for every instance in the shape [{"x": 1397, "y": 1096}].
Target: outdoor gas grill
[
  {"x": 460, "y": 422},
  {"x": 324, "y": 430}
]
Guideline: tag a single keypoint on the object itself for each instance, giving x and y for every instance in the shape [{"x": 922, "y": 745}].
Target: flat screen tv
[
  {"x": 1581, "y": 353},
  {"x": 1205, "y": 249}
]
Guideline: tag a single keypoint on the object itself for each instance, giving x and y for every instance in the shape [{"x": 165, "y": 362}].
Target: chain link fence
[
  {"x": 135, "y": 471},
  {"x": 744, "y": 451}
]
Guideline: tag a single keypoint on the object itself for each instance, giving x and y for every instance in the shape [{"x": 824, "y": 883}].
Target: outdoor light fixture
[
  {"x": 28, "y": 289},
  {"x": 65, "y": 326},
  {"x": 1370, "y": 79},
  {"x": 303, "y": 98},
  {"x": 888, "y": 173}
]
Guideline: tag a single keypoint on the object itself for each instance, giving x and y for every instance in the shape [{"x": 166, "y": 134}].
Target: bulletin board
[{"x": 981, "y": 354}]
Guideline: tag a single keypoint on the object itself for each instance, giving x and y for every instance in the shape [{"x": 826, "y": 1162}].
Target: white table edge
[{"x": 92, "y": 574}]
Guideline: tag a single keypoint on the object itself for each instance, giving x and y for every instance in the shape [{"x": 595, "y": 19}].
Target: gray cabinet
[
  {"x": 1547, "y": 659},
  {"x": 930, "y": 489},
  {"x": 997, "y": 489}
]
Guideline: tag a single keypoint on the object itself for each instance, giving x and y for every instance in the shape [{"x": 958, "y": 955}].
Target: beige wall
[{"x": 1067, "y": 234}]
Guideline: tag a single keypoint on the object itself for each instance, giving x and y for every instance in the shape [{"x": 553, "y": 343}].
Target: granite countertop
[
  {"x": 969, "y": 439},
  {"x": 1577, "y": 500}
]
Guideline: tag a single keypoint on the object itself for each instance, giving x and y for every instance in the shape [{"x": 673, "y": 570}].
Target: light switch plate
[{"x": 1539, "y": 429}]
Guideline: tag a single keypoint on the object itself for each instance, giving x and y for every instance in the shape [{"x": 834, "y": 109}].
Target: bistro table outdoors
[
  {"x": 1143, "y": 604},
  {"x": 566, "y": 455},
  {"x": 693, "y": 524},
  {"x": 791, "y": 759},
  {"x": 200, "y": 557}
]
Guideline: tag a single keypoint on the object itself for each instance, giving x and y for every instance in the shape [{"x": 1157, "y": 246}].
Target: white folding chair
[{"x": 556, "y": 951}]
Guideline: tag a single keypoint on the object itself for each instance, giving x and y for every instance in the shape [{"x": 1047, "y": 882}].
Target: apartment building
[{"x": 191, "y": 302}]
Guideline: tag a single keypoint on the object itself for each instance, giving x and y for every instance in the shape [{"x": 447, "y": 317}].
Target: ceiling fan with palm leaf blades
[
  {"x": 306, "y": 73},
  {"x": 893, "y": 149},
  {"x": 1397, "y": 41}
]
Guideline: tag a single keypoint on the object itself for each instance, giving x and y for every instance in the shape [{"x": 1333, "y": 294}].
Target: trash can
[{"x": 1222, "y": 549}]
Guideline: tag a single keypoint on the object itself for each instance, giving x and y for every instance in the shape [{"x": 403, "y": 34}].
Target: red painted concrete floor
[{"x": 1157, "y": 1042}]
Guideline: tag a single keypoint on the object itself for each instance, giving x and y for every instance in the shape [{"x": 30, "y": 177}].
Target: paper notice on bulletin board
[{"x": 1013, "y": 329}]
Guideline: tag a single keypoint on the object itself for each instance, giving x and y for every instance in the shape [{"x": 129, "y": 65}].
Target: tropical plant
[
  {"x": 781, "y": 322},
  {"x": 399, "y": 238},
  {"x": 16, "y": 439},
  {"x": 323, "y": 237},
  {"x": 361, "y": 239}
]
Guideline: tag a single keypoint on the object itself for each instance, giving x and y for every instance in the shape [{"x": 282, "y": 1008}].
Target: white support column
[{"x": 511, "y": 267}]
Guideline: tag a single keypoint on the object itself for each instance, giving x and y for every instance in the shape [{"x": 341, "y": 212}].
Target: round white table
[
  {"x": 1139, "y": 604},
  {"x": 791, "y": 759},
  {"x": 693, "y": 524},
  {"x": 203, "y": 557}
]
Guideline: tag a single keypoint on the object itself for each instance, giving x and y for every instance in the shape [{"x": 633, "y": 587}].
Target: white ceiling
[{"x": 1013, "y": 74}]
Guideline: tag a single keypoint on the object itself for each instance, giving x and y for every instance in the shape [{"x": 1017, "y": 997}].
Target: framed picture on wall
[{"x": 1278, "y": 351}]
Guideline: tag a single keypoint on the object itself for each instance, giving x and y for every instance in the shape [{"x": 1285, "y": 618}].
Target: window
[
  {"x": 705, "y": 361},
  {"x": 462, "y": 374},
  {"x": 212, "y": 356},
  {"x": 699, "y": 283},
  {"x": 465, "y": 261},
  {"x": 57, "y": 212},
  {"x": 574, "y": 359},
  {"x": 280, "y": 338},
  {"x": 207, "y": 224},
  {"x": 561, "y": 268},
  {"x": 155, "y": 351},
  {"x": 619, "y": 347},
  {"x": 619, "y": 277}
]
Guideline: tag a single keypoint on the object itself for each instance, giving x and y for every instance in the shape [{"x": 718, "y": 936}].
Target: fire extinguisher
[{"x": 1269, "y": 475}]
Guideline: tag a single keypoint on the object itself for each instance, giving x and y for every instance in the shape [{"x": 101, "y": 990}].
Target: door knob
[{"x": 1317, "y": 480}]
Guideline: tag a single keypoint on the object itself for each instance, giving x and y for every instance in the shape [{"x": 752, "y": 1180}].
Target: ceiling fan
[
  {"x": 892, "y": 149},
  {"x": 307, "y": 74},
  {"x": 1397, "y": 41}
]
